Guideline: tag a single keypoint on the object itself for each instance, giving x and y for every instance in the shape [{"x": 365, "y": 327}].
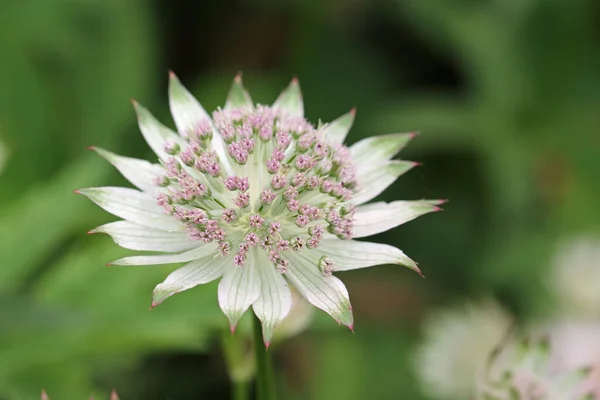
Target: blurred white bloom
[
  {"x": 575, "y": 276},
  {"x": 576, "y": 345},
  {"x": 521, "y": 369},
  {"x": 457, "y": 345}
]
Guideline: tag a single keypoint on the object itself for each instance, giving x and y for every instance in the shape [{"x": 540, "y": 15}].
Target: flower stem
[
  {"x": 265, "y": 389},
  {"x": 240, "y": 364},
  {"x": 240, "y": 390}
]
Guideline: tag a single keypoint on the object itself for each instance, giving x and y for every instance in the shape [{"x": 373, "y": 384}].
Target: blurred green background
[{"x": 505, "y": 93}]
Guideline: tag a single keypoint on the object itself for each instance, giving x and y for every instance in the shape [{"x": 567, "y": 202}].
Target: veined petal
[
  {"x": 186, "y": 110},
  {"x": 202, "y": 251},
  {"x": 133, "y": 206},
  {"x": 352, "y": 254},
  {"x": 141, "y": 173},
  {"x": 239, "y": 288},
  {"x": 290, "y": 100},
  {"x": 325, "y": 292},
  {"x": 382, "y": 147},
  {"x": 374, "y": 218},
  {"x": 336, "y": 131},
  {"x": 136, "y": 237},
  {"x": 238, "y": 96},
  {"x": 155, "y": 133},
  {"x": 275, "y": 300},
  {"x": 198, "y": 272},
  {"x": 376, "y": 178}
]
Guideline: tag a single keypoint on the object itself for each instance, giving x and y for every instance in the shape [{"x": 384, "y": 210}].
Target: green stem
[
  {"x": 240, "y": 390},
  {"x": 265, "y": 389},
  {"x": 239, "y": 360}
]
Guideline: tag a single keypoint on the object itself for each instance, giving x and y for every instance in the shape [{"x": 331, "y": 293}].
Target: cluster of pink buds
[{"x": 279, "y": 185}]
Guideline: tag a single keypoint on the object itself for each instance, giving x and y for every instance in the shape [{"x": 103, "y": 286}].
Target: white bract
[{"x": 258, "y": 197}]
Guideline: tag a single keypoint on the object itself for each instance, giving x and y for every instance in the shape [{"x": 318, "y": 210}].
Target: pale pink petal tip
[
  {"x": 417, "y": 164},
  {"x": 442, "y": 201},
  {"x": 437, "y": 209},
  {"x": 134, "y": 102},
  {"x": 267, "y": 345},
  {"x": 114, "y": 395},
  {"x": 44, "y": 395},
  {"x": 413, "y": 134},
  {"x": 351, "y": 327},
  {"x": 91, "y": 148},
  {"x": 153, "y": 305},
  {"x": 108, "y": 264},
  {"x": 238, "y": 77},
  {"x": 232, "y": 328},
  {"x": 172, "y": 74},
  {"x": 76, "y": 191},
  {"x": 295, "y": 81}
]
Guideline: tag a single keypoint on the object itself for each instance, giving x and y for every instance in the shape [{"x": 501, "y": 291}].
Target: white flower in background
[
  {"x": 259, "y": 197},
  {"x": 576, "y": 345},
  {"x": 575, "y": 277},
  {"x": 522, "y": 370},
  {"x": 457, "y": 343}
]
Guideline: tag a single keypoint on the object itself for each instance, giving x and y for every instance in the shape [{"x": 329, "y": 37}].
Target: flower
[
  {"x": 521, "y": 369},
  {"x": 576, "y": 345},
  {"x": 456, "y": 346},
  {"x": 259, "y": 197}
]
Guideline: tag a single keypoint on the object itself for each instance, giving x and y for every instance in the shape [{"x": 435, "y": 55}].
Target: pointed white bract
[
  {"x": 336, "y": 131},
  {"x": 136, "y": 237},
  {"x": 197, "y": 272},
  {"x": 133, "y": 206},
  {"x": 239, "y": 288},
  {"x": 290, "y": 100},
  {"x": 142, "y": 174},
  {"x": 275, "y": 300},
  {"x": 374, "y": 218},
  {"x": 375, "y": 178},
  {"x": 258, "y": 197},
  {"x": 378, "y": 148}
]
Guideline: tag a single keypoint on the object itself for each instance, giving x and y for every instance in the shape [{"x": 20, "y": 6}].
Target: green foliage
[{"x": 512, "y": 141}]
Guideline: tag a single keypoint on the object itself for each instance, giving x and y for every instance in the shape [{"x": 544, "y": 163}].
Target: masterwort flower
[
  {"x": 259, "y": 197},
  {"x": 522, "y": 369}
]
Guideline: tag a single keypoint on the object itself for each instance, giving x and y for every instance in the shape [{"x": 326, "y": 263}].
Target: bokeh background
[{"x": 505, "y": 93}]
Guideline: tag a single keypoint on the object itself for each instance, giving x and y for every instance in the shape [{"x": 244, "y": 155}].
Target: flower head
[{"x": 259, "y": 197}]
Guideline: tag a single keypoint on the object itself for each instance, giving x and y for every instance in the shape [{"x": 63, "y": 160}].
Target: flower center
[{"x": 267, "y": 179}]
